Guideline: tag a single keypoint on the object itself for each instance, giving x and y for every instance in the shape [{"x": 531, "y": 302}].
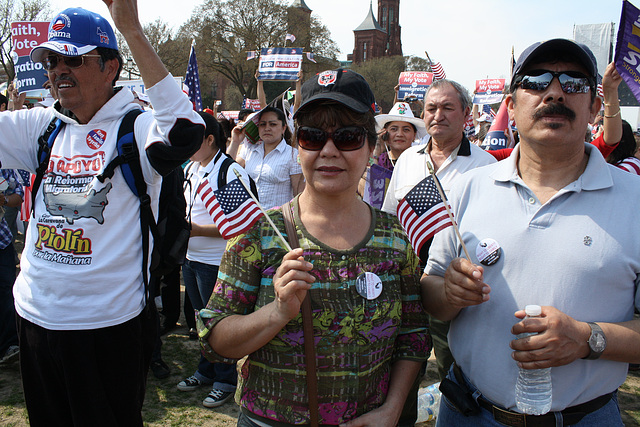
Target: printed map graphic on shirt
[{"x": 72, "y": 203}]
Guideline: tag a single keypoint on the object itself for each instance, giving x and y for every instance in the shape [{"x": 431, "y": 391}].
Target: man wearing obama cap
[
  {"x": 85, "y": 323},
  {"x": 552, "y": 243}
]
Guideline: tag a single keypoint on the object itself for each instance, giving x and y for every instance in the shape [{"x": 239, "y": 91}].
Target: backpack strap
[
  {"x": 129, "y": 161},
  {"x": 222, "y": 175},
  {"x": 224, "y": 168},
  {"x": 45, "y": 142}
]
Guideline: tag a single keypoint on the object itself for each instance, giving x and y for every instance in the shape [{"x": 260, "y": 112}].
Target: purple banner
[
  {"x": 627, "y": 57},
  {"x": 377, "y": 185}
]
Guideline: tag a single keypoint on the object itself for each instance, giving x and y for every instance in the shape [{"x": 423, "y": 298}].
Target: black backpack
[
  {"x": 172, "y": 230},
  {"x": 222, "y": 174}
]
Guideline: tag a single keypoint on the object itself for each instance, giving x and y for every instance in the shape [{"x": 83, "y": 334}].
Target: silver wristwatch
[{"x": 597, "y": 341}]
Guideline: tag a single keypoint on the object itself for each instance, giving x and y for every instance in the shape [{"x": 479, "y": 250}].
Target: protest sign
[
  {"x": 376, "y": 185},
  {"x": 280, "y": 63},
  {"x": 488, "y": 91},
  {"x": 230, "y": 114},
  {"x": 627, "y": 56},
  {"x": 413, "y": 84},
  {"x": 25, "y": 35},
  {"x": 498, "y": 136},
  {"x": 252, "y": 104}
]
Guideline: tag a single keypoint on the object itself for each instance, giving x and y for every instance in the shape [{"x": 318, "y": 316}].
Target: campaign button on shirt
[
  {"x": 488, "y": 251},
  {"x": 96, "y": 138},
  {"x": 369, "y": 285}
]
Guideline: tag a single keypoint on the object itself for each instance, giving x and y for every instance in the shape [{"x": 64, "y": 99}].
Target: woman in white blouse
[{"x": 272, "y": 162}]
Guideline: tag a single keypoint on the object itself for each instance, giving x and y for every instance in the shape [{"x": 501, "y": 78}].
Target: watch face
[{"x": 597, "y": 342}]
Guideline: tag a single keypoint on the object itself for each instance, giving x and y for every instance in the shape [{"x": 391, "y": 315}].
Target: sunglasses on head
[
  {"x": 570, "y": 81},
  {"x": 345, "y": 139},
  {"x": 51, "y": 61}
]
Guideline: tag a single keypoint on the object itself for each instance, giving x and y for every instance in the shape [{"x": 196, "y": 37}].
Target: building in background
[{"x": 375, "y": 38}]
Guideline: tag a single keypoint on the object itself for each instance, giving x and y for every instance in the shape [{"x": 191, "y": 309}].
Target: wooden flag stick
[
  {"x": 286, "y": 244},
  {"x": 446, "y": 206}
]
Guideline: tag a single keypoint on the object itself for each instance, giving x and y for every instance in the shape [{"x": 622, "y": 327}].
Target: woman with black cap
[{"x": 354, "y": 262}]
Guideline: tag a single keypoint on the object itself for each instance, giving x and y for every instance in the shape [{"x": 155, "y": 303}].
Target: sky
[{"x": 471, "y": 39}]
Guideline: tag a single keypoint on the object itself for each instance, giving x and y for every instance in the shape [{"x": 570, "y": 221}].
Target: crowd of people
[{"x": 331, "y": 310}]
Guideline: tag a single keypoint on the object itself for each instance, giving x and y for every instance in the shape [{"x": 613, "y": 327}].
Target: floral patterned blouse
[{"x": 356, "y": 339}]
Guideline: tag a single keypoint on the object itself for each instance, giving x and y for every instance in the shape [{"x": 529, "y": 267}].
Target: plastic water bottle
[
  {"x": 428, "y": 402},
  {"x": 12, "y": 186},
  {"x": 533, "y": 388}
]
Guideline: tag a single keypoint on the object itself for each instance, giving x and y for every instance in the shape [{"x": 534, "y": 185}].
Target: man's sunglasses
[
  {"x": 345, "y": 139},
  {"x": 50, "y": 62},
  {"x": 570, "y": 81}
]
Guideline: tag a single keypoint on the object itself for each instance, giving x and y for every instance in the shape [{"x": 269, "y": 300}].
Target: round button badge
[
  {"x": 488, "y": 251},
  {"x": 369, "y": 285}
]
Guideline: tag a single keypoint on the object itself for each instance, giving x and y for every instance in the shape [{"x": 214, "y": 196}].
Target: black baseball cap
[
  {"x": 538, "y": 51},
  {"x": 343, "y": 86}
]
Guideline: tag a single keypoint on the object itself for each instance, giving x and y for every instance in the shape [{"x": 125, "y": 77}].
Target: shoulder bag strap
[{"x": 307, "y": 325}]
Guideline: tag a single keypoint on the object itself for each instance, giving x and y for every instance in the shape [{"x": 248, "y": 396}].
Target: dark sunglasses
[
  {"x": 51, "y": 61},
  {"x": 345, "y": 139},
  {"x": 570, "y": 81}
]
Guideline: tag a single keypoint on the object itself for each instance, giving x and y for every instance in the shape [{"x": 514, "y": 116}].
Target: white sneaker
[
  {"x": 190, "y": 384},
  {"x": 12, "y": 352},
  {"x": 216, "y": 398}
]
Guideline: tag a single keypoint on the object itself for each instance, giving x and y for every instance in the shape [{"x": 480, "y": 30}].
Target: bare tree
[
  {"x": 225, "y": 30},
  {"x": 173, "y": 51},
  {"x": 14, "y": 11},
  {"x": 415, "y": 63},
  {"x": 382, "y": 75}
]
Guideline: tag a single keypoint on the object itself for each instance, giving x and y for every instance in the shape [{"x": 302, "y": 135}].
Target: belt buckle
[{"x": 508, "y": 418}]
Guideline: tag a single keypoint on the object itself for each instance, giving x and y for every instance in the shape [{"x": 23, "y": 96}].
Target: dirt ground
[{"x": 165, "y": 405}]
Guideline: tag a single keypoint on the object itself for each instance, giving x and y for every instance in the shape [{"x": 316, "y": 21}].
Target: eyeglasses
[
  {"x": 51, "y": 61},
  {"x": 345, "y": 139},
  {"x": 570, "y": 81}
]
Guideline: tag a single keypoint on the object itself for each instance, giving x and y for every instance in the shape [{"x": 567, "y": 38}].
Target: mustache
[
  {"x": 555, "y": 110},
  {"x": 63, "y": 78}
]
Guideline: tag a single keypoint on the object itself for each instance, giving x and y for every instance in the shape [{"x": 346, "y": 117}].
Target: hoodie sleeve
[{"x": 176, "y": 129}]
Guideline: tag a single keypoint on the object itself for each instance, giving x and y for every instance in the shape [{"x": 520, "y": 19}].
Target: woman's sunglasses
[
  {"x": 50, "y": 62},
  {"x": 570, "y": 81},
  {"x": 345, "y": 139}
]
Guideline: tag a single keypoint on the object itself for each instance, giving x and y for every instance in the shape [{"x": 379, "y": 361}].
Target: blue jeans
[
  {"x": 199, "y": 280},
  {"x": 608, "y": 415},
  {"x": 8, "y": 331}
]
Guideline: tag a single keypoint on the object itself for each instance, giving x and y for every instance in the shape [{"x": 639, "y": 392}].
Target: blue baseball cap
[{"x": 74, "y": 32}]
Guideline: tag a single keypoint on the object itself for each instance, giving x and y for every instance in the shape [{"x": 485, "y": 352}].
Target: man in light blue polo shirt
[{"x": 564, "y": 222}]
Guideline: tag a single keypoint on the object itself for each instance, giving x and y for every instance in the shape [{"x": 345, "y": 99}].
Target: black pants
[
  {"x": 86, "y": 378},
  {"x": 8, "y": 333}
]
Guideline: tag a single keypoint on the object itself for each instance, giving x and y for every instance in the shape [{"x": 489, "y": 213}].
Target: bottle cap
[{"x": 533, "y": 310}]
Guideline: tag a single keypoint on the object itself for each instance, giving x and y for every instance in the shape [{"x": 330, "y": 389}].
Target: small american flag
[
  {"x": 438, "y": 71},
  {"x": 25, "y": 208},
  {"x": 600, "y": 91},
  {"x": 252, "y": 54},
  {"x": 191, "y": 85},
  {"x": 422, "y": 213},
  {"x": 310, "y": 57},
  {"x": 290, "y": 37},
  {"x": 231, "y": 207},
  {"x": 630, "y": 164},
  {"x": 486, "y": 108}
]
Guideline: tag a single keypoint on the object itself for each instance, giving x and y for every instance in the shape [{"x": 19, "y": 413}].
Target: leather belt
[{"x": 571, "y": 415}]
